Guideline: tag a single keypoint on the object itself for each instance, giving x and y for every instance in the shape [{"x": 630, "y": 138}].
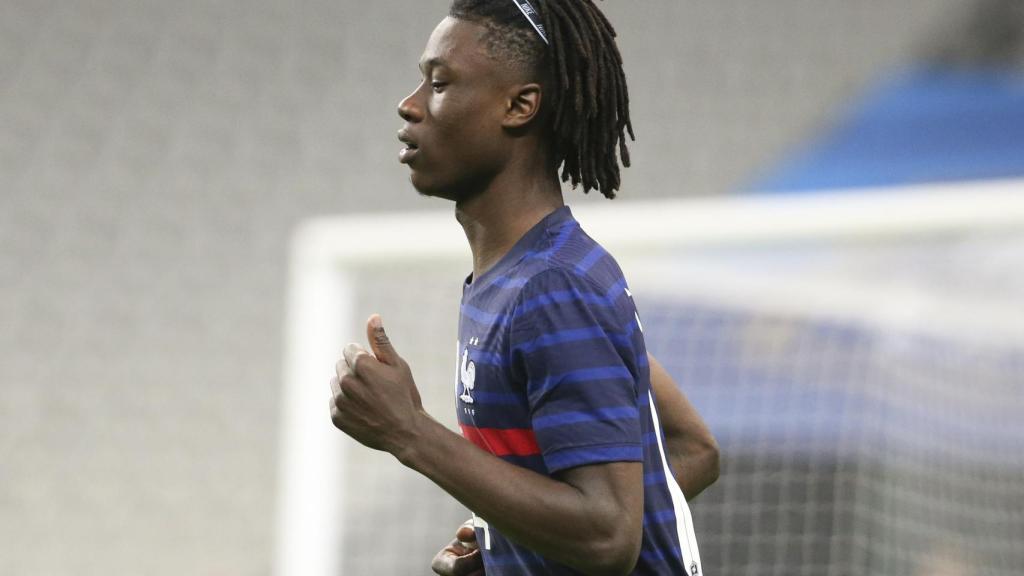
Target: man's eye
[{"x": 438, "y": 86}]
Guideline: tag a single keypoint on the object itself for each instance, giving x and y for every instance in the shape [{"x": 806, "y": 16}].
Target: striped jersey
[{"x": 553, "y": 374}]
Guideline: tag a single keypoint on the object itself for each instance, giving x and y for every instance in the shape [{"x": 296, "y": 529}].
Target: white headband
[{"x": 527, "y": 9}]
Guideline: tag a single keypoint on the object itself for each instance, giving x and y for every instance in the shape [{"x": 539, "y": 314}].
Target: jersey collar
[{"x": 522, "y": 247}]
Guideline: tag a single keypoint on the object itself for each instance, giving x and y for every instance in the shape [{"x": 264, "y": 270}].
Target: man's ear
[{"x": 522, "y": 105}]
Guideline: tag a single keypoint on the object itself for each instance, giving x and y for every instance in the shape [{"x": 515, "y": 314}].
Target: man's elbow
[
  {"x": 706, "y": 465},
  {"x": 613, "y": 544},
  {"x": 712, "y": 459},
  {"x": 615, "y": 555},
  {"x": 697, "y": 467}
]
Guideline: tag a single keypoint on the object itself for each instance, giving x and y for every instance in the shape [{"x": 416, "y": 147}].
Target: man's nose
[{"x": 409, "y": 109}]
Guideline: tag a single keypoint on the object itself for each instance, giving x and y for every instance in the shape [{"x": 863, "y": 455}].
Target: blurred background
[{"x": 155, "y": 158}]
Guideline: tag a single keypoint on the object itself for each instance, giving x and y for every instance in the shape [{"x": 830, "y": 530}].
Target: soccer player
[{"x": 562, "y": 457}]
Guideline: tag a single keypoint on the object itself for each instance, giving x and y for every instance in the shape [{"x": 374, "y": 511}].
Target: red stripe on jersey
[{"x": 503, "y": 442}]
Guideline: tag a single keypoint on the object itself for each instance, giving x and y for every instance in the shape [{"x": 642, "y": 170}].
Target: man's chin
[
  {"x": 446, "y": 188},
  {"x": 422, "y": 187},
  {"x": 425, "y": 187}
]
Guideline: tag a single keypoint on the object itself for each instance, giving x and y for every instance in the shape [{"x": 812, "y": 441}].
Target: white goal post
[{"x": 331, "y": 255}]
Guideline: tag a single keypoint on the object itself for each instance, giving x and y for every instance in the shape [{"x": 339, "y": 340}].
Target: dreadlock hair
[{"x": 583, "y": 81}]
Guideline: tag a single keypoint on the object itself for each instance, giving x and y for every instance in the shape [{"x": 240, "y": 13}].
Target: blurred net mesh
[
  {"x": 867, "y": 398},
  {"x": 869, "y": 417}
]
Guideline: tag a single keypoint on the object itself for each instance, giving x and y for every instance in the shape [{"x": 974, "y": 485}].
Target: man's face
[{"x": 453, "y": 118}]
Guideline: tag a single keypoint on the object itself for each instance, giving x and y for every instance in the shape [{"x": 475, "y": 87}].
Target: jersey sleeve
[{"x": 572, "y": 345}]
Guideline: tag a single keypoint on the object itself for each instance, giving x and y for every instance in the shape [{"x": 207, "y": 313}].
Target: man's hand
[
  {"x": 374, "y": 398},
  {"x": 462, "y": 556}
]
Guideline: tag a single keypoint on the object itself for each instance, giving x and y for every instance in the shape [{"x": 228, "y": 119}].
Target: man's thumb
[
  {"x": 466, "y": 534},
  {"x": 379, "y": 341}
]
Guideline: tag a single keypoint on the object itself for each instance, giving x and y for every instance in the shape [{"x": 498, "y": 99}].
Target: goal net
[{"x": 858, "y": 355}]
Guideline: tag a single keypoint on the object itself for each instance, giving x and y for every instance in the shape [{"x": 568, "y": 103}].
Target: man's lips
[{"x": 405, "y": 155}]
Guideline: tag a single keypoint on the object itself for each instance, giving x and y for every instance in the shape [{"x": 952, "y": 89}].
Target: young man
[{"x": 562, "y": 458}]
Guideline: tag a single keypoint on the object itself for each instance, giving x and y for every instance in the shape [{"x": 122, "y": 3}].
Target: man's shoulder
[
  {"x": 568, "y": 284},
  {"x": 578, "y": 259},
  {"x": 556, "y": 275}
]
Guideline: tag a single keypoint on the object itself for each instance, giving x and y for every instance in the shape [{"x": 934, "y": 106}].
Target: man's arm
[
  {"x": 692, "y": 454},
  {"x": 692, "y": 450},
  {"x": 589, "y": 517}
]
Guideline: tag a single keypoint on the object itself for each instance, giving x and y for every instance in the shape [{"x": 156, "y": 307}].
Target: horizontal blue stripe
[
  {"x": 561, "y": 297},
  {"x": 571, "y": 335},
  {"x": 616, "y": 290},
  {"x": 497, "y": 359},
  {"x": 630, "y": 329},
  {"x": 596, "y": 253},
  {"x": 655, "y": 477},
  {"x": 582, "y": 375},
  {"x": 657, "y": 554},
  {"x": 505, "y": 282},
  {"x": 600, "y": 414},
  {"x": 542, "y": 301},
  {"x": 572, "y": 457},
  {"x": 482, "y": 316},
  {"x": 556, "y": 297},
  {"x": 594, "y": 256},
  {"x": 660, "y": 517},
  {"x": 560, "y": 337},
  {"x": 608, "y": 299}
]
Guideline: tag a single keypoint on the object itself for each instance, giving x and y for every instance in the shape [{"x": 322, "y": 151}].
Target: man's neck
[{"x": 495, "y": 219}]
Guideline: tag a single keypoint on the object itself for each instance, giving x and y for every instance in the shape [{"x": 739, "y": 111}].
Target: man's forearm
[
  {"x": 580, "y": 526},
  {"x": 692, "y": 450},
  {"x": 694, "y": 463}
]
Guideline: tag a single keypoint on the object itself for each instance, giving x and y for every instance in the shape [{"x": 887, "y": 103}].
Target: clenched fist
[{"x": 374, "y": 398}]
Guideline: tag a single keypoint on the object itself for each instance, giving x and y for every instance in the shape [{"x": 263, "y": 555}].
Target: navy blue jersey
[{"x": 553, "y": 374}]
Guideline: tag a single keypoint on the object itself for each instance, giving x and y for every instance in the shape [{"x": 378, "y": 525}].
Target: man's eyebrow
[{"x": 432, "y": 62}]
